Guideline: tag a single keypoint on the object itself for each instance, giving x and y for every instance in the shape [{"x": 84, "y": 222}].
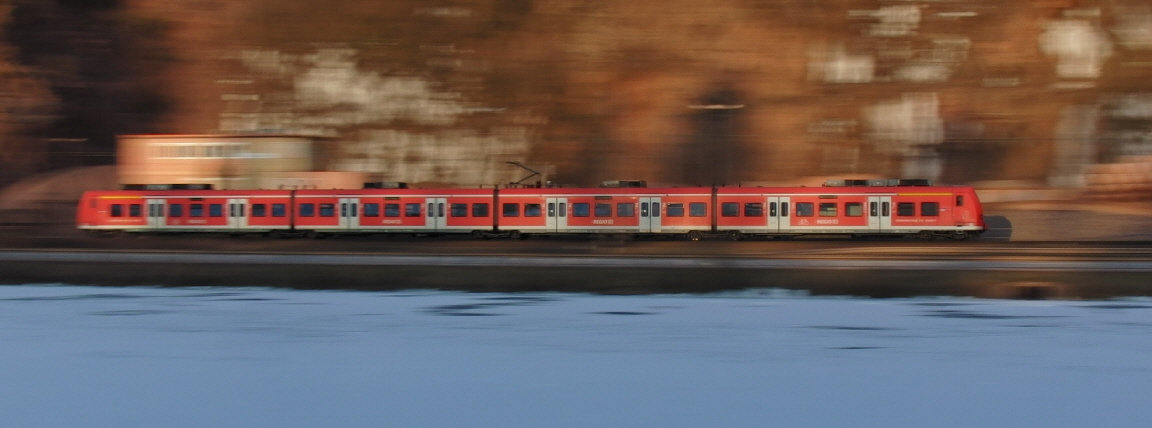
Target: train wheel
[
  {"x": 960, "y": 236},
  {"x": 479, "y": 234},
  {"x": 515, "y": 234},
  {"x": 694, "y": 235},
  {"x": 925, "y": 235},
  {"x": 735, "y": 235}
]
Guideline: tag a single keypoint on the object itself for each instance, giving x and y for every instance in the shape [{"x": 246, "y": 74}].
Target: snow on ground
[{"x": 200, "y": 357}]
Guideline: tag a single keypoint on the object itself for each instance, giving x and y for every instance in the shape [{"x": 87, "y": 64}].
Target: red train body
[{"x": 693, "y": 212}]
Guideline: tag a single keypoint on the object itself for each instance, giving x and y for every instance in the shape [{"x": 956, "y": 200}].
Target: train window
[
  {"x": 327, "y": 210},
  {"x": 905, "y": 209},
  {"x": 603, "y": 210},
  {"x": 176, "y": 210},
  {"x": 697, "y": 209},
  {"x": 279, "y": 210},
  {"x": 580, "y": 209},
  {"x": 532, "y": 210},
  {"x": 854, "y": 209},
  {"x": 885, "y": 209},
  {"x": 783, "y": 209},
  {"x": 828, "y": 209},
  {"x": 655, "y": 209},
  {"x": 872, "y": 210},
  {"x": 391, "y": 210},
  {"x": 753, "y": 209},
  {"x": 804, "y": 209},
  {"x": 930, "y": 209},
  {"x": 479, "y": 210},
  {"x": 459, "y": 210},
  {"x": 643, "y": 209},
  {"x": 551, "y": 209},
  {"x": 259, "y": 210},
  {"x": 307, "y": 210},
  {"x": 730, "y": 209},
  {"x": 411, "y": 210},
  {"x": 959, "y": 200},
  {"x": 625, "y": 209},
  {"x": 215, "y": 210},
  {"x": 563, "y": 209},
  {"x": 195, "y": 210},
  {"x": 511, "y": 210},
  {"x": 675, "y": 210},
  {"x": 440, "y": 209},
  {"x": 117, "y": 210},
  {"x": 430, "y": 209},
  {"x": 371, "y": 209},
  {"x": 134, "y": 210},
  {"x": 772, "y": 209}
]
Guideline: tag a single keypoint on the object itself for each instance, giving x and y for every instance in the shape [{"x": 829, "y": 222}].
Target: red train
[{"x": 873, "y": 208}]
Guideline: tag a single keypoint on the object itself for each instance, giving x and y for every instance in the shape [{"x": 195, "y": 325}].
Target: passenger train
[{"x": 857, "y": 208}]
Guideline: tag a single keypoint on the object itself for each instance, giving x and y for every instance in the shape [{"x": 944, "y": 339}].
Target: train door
[
  {"x": 237, "y": 217},
  {"x": 778, "y": 214},
  {"x": 880, "y": 213},
  {"x": 557, "y": 220},
  {"x": 650, "y": 215},
  {"x": 349, "y": 213},
  {"x": 157, "y": 214},
  {"x": 437, "y": 218}
]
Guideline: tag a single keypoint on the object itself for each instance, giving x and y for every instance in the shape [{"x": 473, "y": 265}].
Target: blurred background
[{"x": 1028, "y": 97}]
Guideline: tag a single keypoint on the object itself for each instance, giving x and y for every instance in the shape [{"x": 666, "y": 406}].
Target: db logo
[{"x": 803, "y": 222}]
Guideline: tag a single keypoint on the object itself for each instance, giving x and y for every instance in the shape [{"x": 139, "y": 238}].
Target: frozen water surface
[{"x": 178, "y": 357}]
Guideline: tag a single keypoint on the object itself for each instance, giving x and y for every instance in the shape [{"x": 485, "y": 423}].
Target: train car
[
  {"x": 926, "y": 212},
  {"x": 420, "y": 211},
  {"x": 169, "y": 211},
  {"x": 638, "y": 211}
]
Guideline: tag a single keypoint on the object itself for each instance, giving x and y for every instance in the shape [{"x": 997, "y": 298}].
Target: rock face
[{"x": 671, "y": 91}]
